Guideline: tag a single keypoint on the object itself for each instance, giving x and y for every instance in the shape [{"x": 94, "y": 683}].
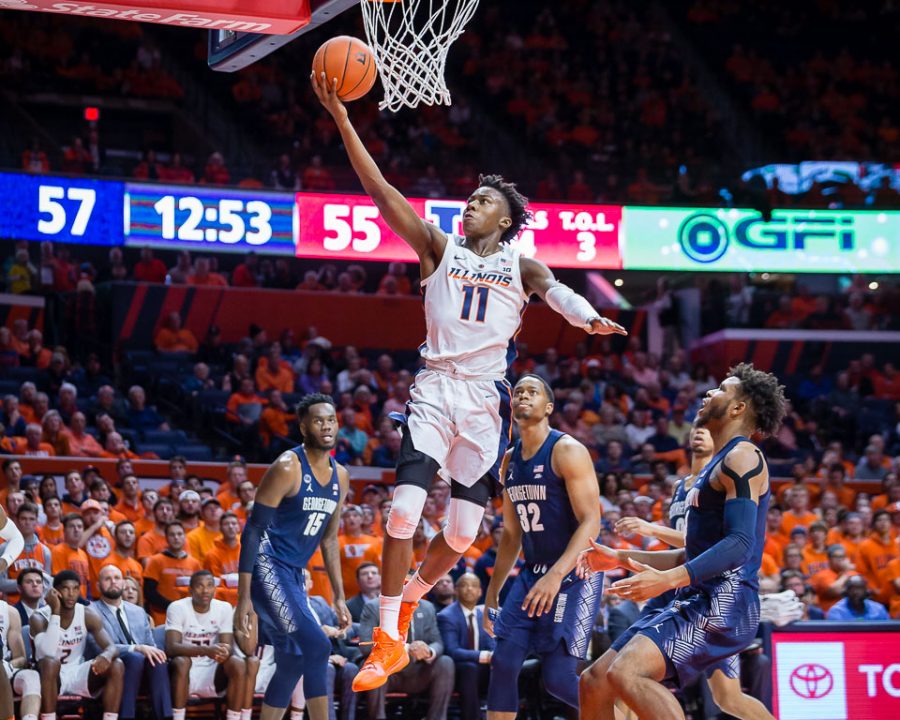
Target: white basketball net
[{"x": 410, "y": 40}]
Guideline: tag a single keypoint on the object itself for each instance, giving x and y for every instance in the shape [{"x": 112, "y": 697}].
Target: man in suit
[
  {"x": 344, "y": 660},
  {"x": 429, "y": 669},
  {"x": 468, "y": 645},
  {"x": 368, "y": 577},
  {"x": 128, "y": 626}
]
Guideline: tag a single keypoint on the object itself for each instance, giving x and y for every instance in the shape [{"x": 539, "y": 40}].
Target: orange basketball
[{"x": 349, "y": 60}]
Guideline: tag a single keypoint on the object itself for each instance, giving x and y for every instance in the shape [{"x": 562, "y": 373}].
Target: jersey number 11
[{"x": 469, "y": 295}]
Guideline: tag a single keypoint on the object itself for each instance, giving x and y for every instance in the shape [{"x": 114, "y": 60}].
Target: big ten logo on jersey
[{"x": 307, "y": 481}]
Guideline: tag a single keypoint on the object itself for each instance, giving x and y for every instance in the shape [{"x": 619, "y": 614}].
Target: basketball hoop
[{"x": 410, "y": 40}]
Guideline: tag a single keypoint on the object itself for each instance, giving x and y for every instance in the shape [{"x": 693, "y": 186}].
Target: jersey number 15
[{"x": 314, "y": 523}]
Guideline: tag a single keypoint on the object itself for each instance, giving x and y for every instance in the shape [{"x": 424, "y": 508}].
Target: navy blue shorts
[
  {"x": 278, "y": 592},
  {"x": 701, "y": 631},
  {"x": 570, "y": 620}
]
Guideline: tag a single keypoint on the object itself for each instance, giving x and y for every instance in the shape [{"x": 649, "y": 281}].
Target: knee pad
[
  {"x": 27, "y": 682},
  {"x": 463, "y": 520},
  {"x": 406, "y": 511}
]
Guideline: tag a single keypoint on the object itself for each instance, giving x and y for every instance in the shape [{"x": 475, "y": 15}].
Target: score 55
[
  {"x": 345, "y": 222},
  {"x": 50, "y": 205}
]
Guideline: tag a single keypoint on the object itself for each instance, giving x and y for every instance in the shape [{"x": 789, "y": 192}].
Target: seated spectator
[
  {"x": 153, "y": 540},
  {"x": 115, "y": 447},
  {"x": 124, "y": 554},
  {"x": 388, "y": 453},
  {"x": 316, "y": 177},
  {"x": 200, "y": 643},
  {"x": 855, "y": 606},
  {"x": 149, "y": 268},
  {"x": 51, "y": 532},
  {"x": 178, "y": 275},
  {"x": 66, "y": 670},
  {"x": 273, "y": 372},
  {"x": 34, "y": 555},
  {"x": 351, "y": 441},
  {"x": 22, "y": 275},
  {"x": 146, "y": 669},
  {"x": 187, "y": 503},
  {"x": 215, "y": 172},
  {"x": 149, "y": 168},
  {"x": 177, "y": 172},
  {"x": 276, "y": 425},
  {"x": 37, "y": 355},
  {"x": 97, "y": 539},
  {"x": 202, "y": 539},
  {"x": 815, "y": 552},
  {"x": 142, "y": 417},
  {"x": 353, "y": 546},
  {"x": 878, "y": 550},
  {"x": 12, "y": 419},
  {"x": 798, "y": 512},
  {"x": 397, "y": 274},
  {"x": 468, "y": 645},
  {"x": 204, "y": 275},
  {"x": 247, "y": 273},
  {"x": 166, "y": 573},
  {"x": 284, "y": 177},
  {"x": 429, "y": 669},
  {"x": 199, "y": 381},
  {"x": 871, "y": 466},
  {"x": 33, "y": 443},
  {"x": 661, "y": 440},
  {"x": 54, "y": 434},
  {"x": 68, "y": 555},
  {"x": 830, "y": 582},
  {"x": 222, "y": 559},
  {"x": 311, "y": 282},
  {"x": 368, "y": 580}
]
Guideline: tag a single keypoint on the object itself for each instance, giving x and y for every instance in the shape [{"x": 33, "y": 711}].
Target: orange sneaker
[
  {"x": 387, "y": 657},
  {"x": 406, "y": 612}
]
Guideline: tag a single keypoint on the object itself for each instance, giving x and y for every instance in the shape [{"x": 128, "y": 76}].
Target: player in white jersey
[
  {"x": 199, "y": 641},
  {"x": 476, "y": 288},
  {"x": 60, "y": 631},
  {"x": 24, "y": 682},
  {"x": 11, "y": 543}
]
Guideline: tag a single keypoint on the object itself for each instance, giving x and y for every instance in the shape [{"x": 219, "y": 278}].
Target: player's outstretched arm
[
  {"x": 427, "y": 240},
  {"x": 668, "y": 535},
  {"x": 15, "y": 543},
  {"x": 278, "y": 481},
  {"x": 331, "y": 553},
  {"x": 744, "y": 477},
  {"x": 572, "y": 462},
  {"x": 539, "y": 279}
]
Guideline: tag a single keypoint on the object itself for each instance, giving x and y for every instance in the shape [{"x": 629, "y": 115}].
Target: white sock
[
  {"x": 177, "y": 714},
  {"x": 29, "y": 717},
  {"x": 246, "y": 713},
  {"x": 52, "y": 716},
  {"x": 110, "y": 716},
  {"x": 390, "y": 613},
  {"x": 416, "y": 589},
  {"x": 232, "y": 715}
]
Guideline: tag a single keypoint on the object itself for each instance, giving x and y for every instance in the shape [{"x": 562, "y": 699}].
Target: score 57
[
  {"x": 345, "y": 222},
  {"x": 49, "y": 197}
]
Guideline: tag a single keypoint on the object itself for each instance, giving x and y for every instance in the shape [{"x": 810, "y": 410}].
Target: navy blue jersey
[
  {"x": 542, "y": 503},
  {"x": 301, "y": 519},
  {"x": 706, "y": 520},
  {"x": 678, "y": 506}
]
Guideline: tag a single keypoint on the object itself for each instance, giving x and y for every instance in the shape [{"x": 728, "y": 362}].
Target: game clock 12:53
[{"x": 218, "y": 219}]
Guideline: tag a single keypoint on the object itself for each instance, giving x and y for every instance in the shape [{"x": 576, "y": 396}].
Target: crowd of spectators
[{"x": 815, "y": 77}]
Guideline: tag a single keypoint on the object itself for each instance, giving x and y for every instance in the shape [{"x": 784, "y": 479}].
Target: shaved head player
[
  {"x": 476, "y": 287},
  {"x": 297, "y": 507}
]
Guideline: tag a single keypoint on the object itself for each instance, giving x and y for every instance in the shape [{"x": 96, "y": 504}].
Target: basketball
[{"x": 349, "y": 60}]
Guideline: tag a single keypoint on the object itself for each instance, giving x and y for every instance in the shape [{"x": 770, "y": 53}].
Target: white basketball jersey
[
  {"x": 200, "y": 628},
  {"x": 4, "y": 628},
  {"x": 73, "y": 639},
  {"x": 473, "y": 310}
]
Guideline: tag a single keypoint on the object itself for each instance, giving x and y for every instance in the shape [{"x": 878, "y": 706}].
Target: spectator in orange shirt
[
  {"x": 850, "y": 532},
  {"x": 123, "y": 555},
  {"x": 275, "y": 424},
  {"x": 353, "y": 545},
  {"x": 890, "y": 493},
  {"x": 228, "y": 496},
  {"x": 129, "y": 505},
  {"x": 273, "y": 372},
  {"x": 776, "y": 540},
  {"x": 247, "y": 494},
  {"x": 167, "y": 575},
  {"x": 81, "y": 443},
  {"x": 793, "y": 558},
  {"x": 187, "y": 511},
  {"x": 799, "y": 479},
  {"x": 52, "y": 531},
  {"x": 154, "y": 541},
  {"x": 204, "y": 276},
  {"x": 222, "y": 559},
  {"x": 835, "y": 482},
  {"x": 890, "y": 590},
  {"x": 96, "y": 540},
  {"x": 33, "y": 444},
  {"x": 75, "y": 493},
  {"x": 115, "y": 448},
  {"x": 38, "y": 356},
  {"x": 877, "y": 551},
  {"x": 798, "y": 512},
  {"x": 243, "y": 412},
  {"x": 815, "y": 553},
  {"x": 829, "y": 582},
  {"x": 148, "y": 521},
  {"x": 172, "y": 337},
  {"x": 68, "y": 555},
  {"x": 203, "y": 539}
]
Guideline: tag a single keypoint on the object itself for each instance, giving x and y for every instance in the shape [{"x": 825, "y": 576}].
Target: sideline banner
[
  {"x": 836, "y": 675},
  {"x": 731, "y": 240}
]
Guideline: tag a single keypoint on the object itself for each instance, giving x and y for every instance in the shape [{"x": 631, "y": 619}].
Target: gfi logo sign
[
  {"x": 811, "y": 681},
  {"x": 705, "y": 237}
]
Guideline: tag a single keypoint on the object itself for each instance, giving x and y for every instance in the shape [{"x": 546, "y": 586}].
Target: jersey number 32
[{"x": 530, "y": 517}]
